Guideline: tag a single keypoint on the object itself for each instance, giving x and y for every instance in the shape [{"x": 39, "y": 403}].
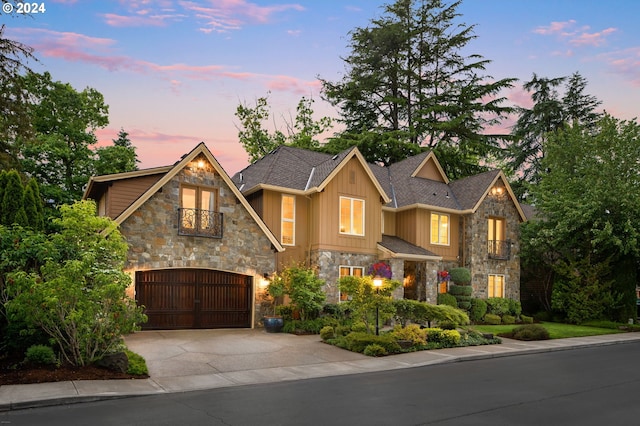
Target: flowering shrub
[
  {"x": 443, "y": 276},
  {"x": 380, "y": 269}
]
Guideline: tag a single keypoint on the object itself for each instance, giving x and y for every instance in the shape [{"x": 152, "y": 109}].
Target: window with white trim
[
  {"x": 349, "y": 271},
  {"x": 351, "y": 216},
  {"x": 440, "y": 229},
  {"x": 288, "y": 220},
  {"x": 495, "y": 286}
]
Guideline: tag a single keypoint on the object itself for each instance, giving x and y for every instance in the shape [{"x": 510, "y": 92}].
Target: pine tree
[
  {"x": 13, "y": 200},
  {"x": 33, "y": 205}
]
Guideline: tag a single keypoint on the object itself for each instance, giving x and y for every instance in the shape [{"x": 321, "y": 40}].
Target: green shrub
[
  {"x": 412, "y": 332},
  {"x": 464, "y": 302},
  {"x": 327, "y": 333},
  {"x": 358, "y": 341},
  {"x": 285, "y": 311},
  {"x": 407, "y": 310},
  {"x": 497, "y": 306},
  {"x": 508, "y": 319},
  {"x": 543, "y": 316},
  {"x": 445, "y": 338},
  {"x": 374, "y": 350},
  {"x": 334, "y": 310},
  {"x": 137, "y": 364},
  {"x": 460, "y": 290},
  {"x": 447, "y": 325},
  {"x": 478, "y": 309},
  {"x": 342, "y": 330},
  {"x": 530, "y": 332},
  {"x": 360, "y": 327},
  {"x": 526, "y": 320},
  {"x": 41, "y": 354},
  {"x": 447, "y": 299},
  {"x": 515, "y": 308},
  {"x": 460, "y": 275},
  {"x": 492, "y": 319}
]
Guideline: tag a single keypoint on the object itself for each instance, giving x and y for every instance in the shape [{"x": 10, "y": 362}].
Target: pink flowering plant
[
  {"x": 444, "y": 276},
  {"x": 380, "y": 269}
]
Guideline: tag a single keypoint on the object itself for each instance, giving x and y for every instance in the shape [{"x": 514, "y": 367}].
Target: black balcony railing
[
  {"x": 201, "y": 223},
  {"x": 499, "y": 249}
]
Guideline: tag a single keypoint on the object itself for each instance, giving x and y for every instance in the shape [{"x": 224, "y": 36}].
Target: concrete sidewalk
[{"x": 188, "y": 360}]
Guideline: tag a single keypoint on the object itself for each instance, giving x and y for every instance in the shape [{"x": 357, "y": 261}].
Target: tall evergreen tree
[
  {"x": 13, "y": 200},
  {"x": 33, "y": 205},
  {"x": 15, "y": 122},
  {"x": 117, "y": 158},
  {"x": 407, "y": 74},
  {"x": 550, "y": 112}
]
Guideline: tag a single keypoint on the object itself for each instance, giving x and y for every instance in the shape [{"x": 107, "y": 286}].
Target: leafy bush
[
  {"x": 447, "y": 299},
  {"x": 285, "y": 311},
  {"x": 543, "y": 316},
  {"x": 515, "y": 308},
  {"x": 460, "y": 275},
  {"x": 327, "y": 333},
  {"x": 406, "y": 310},
  {"x": 365, "y": 300},
  {"x": 310, "y": 326},
  {"x": 342, "y": 330},
  {"x": 530, "y": 332},
  {"x": 358, "y": 341},
  {"x": 497, "y": 306},
  {"x": 445, "y": 338},
  {"x": 412, "y": 332},
  {"x": 478, "y": 309},
  {"x": 492, "y": 319},
  {"x": 79, "y": 298},
  {"x": 360, "y": 327},
  {"x": 508, "y": 319},
  {"x": 304, "y": 288},
  {"x": 41, "y": 354},
  {"x": 526, "y": 319},
  {"x": 425, "y": 313},
  {"x": 460, "y": 290},
  {"x": 374, "y": 350},
  {"x": 137, "y": 364}
]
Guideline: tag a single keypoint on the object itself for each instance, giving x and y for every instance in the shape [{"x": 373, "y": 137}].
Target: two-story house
[
  {"x": 340, "y": 214},
  {"x": 201, "y": 242}
]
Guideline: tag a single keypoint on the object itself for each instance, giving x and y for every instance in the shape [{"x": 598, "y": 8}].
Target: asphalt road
[{"x": 591, "y": 386}]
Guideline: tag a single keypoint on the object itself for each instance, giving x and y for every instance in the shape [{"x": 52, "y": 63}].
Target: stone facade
[
  {"x": 154, "y": 243},
  {"x": 475, "y": 253}
]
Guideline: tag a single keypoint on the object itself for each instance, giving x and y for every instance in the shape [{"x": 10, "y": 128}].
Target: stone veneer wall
[
  {"x": 476, "y": 247},
  {"x": 328, "y": 263},
  {"x": 154, "y": 243}
]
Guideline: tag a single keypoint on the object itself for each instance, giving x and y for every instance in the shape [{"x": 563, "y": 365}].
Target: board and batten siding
[
  {"x": 351, "y": 181},
  {"x": 414, "y": 226},
  {"x": 123, "y": 192}
]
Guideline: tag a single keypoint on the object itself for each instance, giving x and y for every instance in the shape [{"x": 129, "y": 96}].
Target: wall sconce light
[
  {"x": 497, "y": 190},
  {"x": 200, "y": 164},
  {"x": 264, "y": 281}
]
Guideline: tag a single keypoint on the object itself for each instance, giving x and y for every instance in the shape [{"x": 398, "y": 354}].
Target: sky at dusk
[{"x": 174, "y": 71}]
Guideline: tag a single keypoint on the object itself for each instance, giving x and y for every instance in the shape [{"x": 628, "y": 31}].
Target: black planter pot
[{"x": 273, "y": 324}]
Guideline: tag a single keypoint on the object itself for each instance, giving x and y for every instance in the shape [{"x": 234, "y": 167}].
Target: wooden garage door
[{"x": 194, "y": 298}]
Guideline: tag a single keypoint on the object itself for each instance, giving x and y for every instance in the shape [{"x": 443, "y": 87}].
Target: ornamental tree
[{"x": 78, "y": 296}]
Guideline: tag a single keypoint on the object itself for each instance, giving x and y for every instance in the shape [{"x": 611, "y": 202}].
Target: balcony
[
  {"x": 500, "y": 250},
  {"x": 200, "y": 223}
]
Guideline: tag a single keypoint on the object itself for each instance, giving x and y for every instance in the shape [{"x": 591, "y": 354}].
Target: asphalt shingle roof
[{"x": 398, "y": 245}]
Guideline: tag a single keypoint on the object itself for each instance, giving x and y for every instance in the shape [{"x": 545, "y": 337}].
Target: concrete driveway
[{"x": 198, "y": 359}]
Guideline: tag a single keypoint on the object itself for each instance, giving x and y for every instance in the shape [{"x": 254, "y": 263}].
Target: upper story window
[
  {"x": 288, "y": 220},
  {"x": 440, "y": 229},
  {"x": 498, "y": 246},
  {"x": 198, "y": 212},
  {"x": 495, "y": 286},
  {"x": 351, "y": 216}
]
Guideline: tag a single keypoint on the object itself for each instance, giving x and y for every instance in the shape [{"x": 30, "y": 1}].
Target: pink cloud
[
  {"x": 592, "y": 39},
  {"x": 226, "y": 15},
  {"x": 575, "y": 36},
  {"x": 554, "y": 28},
  {"x": 292, "y": 84},
  {"x": 625, "y": 63},
  {"x": 135, "y": 21}
]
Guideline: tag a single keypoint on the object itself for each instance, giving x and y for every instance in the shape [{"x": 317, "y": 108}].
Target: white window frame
[
  {"x": 493, "y": 290},
  {"x": 431, "y": 230},
  {"x": 350, "y": 274},
  {"x": 287, "y": 220},
  {"x": 351, "y": 231}
]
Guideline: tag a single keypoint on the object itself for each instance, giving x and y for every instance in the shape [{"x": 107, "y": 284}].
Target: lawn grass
[{"x": 556, "y": 330}]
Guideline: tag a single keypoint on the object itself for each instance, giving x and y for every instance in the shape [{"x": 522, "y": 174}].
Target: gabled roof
[
  {"x": 95, "y": 182},
  {"x": 299, "y": 170},
  {"x": 172, "y": 171},
  {"x": 409, "y": 190},
  {"x": 397, "y": 247}
]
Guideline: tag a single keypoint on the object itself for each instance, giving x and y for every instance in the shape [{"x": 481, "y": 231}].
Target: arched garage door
[{"x": 194, "y": 298}]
